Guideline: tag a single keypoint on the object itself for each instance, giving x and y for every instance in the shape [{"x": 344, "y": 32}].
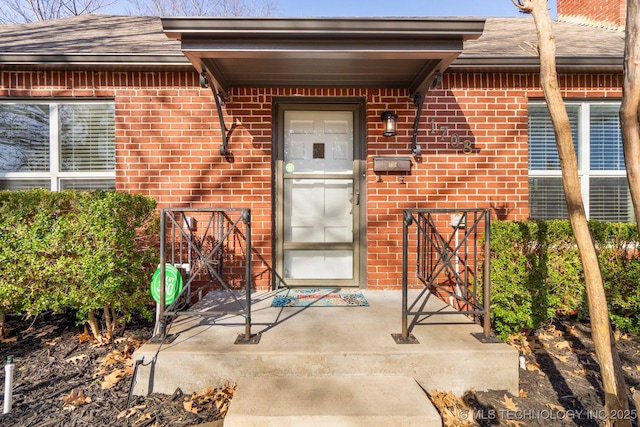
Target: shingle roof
[
  {"x": 505, "y": 43},
  {"x": 86, "y": 41},
  {"x": 512, "y": 42},
  {"x": 89, "y": 34}
]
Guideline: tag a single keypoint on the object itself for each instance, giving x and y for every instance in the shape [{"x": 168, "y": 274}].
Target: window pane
[
  {"x": 87, "y": 184},
  {"x": 543, "y": 154},
  {"x": 546, "y": 198},
  {"x": 606, "y": 140},
  {"x": 87, "y": 137},
  {"x": 24, "y": 138},
  {"x": 609, "y": 199},
  {"x": 318, "y": 142},
  {"x": 24, "y": 184}
]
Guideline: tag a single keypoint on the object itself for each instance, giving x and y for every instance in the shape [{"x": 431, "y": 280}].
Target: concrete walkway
[{"x": 326, "y": 344}]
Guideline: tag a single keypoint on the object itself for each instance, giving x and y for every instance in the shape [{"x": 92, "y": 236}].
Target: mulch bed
[
  {"x": 64, "y": 379},
  {"x": 560, "y": 384}
]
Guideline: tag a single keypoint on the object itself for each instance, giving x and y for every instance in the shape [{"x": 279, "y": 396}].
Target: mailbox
[{"x": 392, "y": 164}]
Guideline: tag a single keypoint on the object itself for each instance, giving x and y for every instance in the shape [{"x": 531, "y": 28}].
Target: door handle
[{"x": 357, "y": 198}]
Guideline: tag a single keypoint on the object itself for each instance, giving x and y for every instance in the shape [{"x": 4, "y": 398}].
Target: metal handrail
[
  {"x": 451, "y": 257},
  {"x": 201, "y": 250}
]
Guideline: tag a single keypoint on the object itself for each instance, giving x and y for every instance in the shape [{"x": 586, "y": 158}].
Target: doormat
[{"x": 319, "y": 298}]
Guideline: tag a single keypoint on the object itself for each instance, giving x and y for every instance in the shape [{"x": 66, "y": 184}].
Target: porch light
[{"x": 389, "y": 120}]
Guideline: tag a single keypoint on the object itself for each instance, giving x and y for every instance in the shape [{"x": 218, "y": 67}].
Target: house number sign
[{"x": 453, "y": 138}]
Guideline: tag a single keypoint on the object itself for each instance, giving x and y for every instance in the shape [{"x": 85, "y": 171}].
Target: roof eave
[
  {"x": 587, "y": 64},
  {"x": 13, "y": 61}
]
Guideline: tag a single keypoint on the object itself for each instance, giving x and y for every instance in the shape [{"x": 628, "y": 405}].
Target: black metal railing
[
  {"x": 449, "y": 257},
  {"x": 211, "y": 248}
]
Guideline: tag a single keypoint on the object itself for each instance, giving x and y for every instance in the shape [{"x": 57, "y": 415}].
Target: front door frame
[{"x": 358, "y": 106}]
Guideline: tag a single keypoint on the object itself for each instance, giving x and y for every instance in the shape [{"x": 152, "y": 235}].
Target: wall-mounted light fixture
[{"x": 389, "y": 120}]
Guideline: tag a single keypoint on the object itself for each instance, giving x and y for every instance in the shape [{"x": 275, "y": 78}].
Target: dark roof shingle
[
  {"x": 89, "y": 34},
  {"x": 505, "y": 43},
  {"x": 509, "y": 42}
]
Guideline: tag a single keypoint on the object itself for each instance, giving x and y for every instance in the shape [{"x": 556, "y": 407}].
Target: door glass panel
[
  {"x": 318, "y": 144},
  {"x": 318, "y": 210},
  {"x": 318, "y": 264}
]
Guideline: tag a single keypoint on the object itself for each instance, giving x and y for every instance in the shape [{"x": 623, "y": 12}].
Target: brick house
[{"x": 132, "y": 104}]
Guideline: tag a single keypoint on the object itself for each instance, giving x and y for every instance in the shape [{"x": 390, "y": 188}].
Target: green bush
[
  {"x": 536, "y": 273},
  {"x": 88, "y": 252}
]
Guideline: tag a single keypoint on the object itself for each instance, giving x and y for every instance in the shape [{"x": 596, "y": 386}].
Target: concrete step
[
  {"x": 326, "y": 342},
  {"x": 367, "y": 401}
]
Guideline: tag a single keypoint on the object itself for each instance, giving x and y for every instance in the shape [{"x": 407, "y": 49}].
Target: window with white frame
[
  {"x": 57, "y": 145},
  {"x": 597, "y": 139}
]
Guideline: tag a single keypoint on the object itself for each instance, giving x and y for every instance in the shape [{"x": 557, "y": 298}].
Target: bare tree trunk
[
  {"x": 610, "y": 366},
  {"x": 108, "y": 321},
  {"x": 630, "y": 108},
  {"x": 95, "y": 326}
]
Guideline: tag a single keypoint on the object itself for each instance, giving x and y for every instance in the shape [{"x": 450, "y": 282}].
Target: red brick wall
[
  {"x": 168, "y": 141},
  {"x": 594, "y": 12}
]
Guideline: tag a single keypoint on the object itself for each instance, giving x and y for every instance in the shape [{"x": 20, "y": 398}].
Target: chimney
[{"x": 596, "y": 13}]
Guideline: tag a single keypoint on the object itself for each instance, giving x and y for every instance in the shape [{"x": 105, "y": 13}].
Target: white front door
[{"x": 320, "y": 199}]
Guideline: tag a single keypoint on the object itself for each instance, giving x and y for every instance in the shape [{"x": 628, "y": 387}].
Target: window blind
[
  {"x": 546, "y": 198},
  {"x": 24, "y": 184},
  {"x": 543, "y": 153},
  {"x": 610, "y": 200},
  {"x": 87, "y": 137},
  {"x": 606, "y": 138}
]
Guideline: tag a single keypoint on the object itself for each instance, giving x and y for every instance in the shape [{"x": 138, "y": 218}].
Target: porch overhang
[{"x": 322, "y": 52}]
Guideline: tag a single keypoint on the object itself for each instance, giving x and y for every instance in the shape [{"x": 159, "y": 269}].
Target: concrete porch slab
[{"x": 325, "y": 342}]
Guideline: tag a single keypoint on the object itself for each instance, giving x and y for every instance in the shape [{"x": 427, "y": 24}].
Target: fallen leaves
[
  {"x": 453, "y": 410},
  {"x": 135, "y": 412},
  {"x": 75, "y": 399},
  {"x": 113, "y": 378},
  {"x": 563, "y": 345},
  {"x": 509, "y": 403},
  {"x": 533, "y": 366},
  {"x": 563, "y": 359},
  {"x": 53, "y": 342},
  {"x": 32, "y": 331},
  {"x": 77, "y": 358},
  {"x": 117, "y": 364},
  {"x": 578, "y": 373},
  {"x": 206, "y": 399},
  {"x": 619, "y": 335},
  {"x": 45, "y": 330},
  {"x": 85, "y": 336},
  {"x": 556, "y": 408}
]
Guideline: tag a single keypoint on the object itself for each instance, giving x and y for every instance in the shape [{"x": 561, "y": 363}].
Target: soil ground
[{"x": 62, "y": 378}]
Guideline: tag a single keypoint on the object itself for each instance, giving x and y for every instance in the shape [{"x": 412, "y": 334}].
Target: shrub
[
  {"x": 536, "y": 273},
  {"x": 83, "y": 251}
]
